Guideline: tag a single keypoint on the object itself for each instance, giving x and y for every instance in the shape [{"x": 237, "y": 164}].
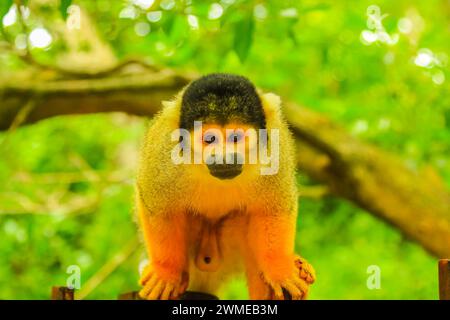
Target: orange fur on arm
[
  {"x": 165, "y": 239},
  {"x": 271, "y": 237}
]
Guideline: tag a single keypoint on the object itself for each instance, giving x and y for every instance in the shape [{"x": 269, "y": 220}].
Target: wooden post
[
  {"x": 188, "y": 295},
  {"x": 444, "y": 279},
  {"x": 133, "y": 295},
  {"x": 62, "y": 293}
]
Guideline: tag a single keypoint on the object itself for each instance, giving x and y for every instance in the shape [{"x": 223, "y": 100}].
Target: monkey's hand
[
  {"x": 291, "y": 281},
  {"x": 160, "y": 283},
  {"x": 306, "y": 271}
]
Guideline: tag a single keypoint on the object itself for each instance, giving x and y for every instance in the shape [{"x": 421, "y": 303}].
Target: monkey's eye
[
  {"x": 209, "y": 138},
  {"x": 235, "y": 137}
]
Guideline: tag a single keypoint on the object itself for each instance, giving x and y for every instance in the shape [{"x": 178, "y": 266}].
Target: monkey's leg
[
  {"x": 271, "y": 237},
  {"x": 258, "y": 289},
  {"x": 165, "y": 277}
]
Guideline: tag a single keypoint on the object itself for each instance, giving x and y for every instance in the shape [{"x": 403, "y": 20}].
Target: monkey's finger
[
  {"x": 156, "y": 290},
  {"x": 307, "y": 272},
  {"x": 184, "y": 285},
  {"x": 167, "y": 291},
  {"x": 180, "y": 289},
  {"x": 151, "y": 282},
  {"x": 294, "y": 291},
  {"x": 148, "y": 287},
  {"x": 302, "y": 286},
  {"x": 305, "y": 275},
  {"x": 277, "y": 291},
  {"x": 299, "y": 282},
  {"x": 146, "y": 275},
  {"x": 175, "y": 292},
  {"x": 145, "y": 291}
]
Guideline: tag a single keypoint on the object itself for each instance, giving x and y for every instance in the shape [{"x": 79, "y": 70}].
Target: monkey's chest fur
[
  {"x": 212, "y": 239},
  {"x": 216, "y": 248}
]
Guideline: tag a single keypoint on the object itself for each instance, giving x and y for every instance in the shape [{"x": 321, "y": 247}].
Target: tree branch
[{"x": 415, "y": 202}]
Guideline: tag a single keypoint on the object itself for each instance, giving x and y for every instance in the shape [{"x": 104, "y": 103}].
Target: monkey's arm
[
  {"x": 165, "y": 238},
  {"x": 271, "y": 235}
]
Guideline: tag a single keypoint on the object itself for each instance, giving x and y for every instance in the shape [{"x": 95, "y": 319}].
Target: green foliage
[
  {"x": 344, "y": 243},
  {"x": 38, "y": 242},
  {"x": 243, "y": 37},
  {"x": 68, "y": 182},
  {"x": 63, "y": 6},
  {"x": 4, "y": 8}
]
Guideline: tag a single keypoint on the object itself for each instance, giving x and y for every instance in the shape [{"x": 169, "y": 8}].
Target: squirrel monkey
[{"x": 207, "y": 219}]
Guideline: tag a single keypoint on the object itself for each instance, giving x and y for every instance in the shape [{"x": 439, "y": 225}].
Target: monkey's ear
[
  {"x": 171, "y": 109},
  {"x": 271, "y": 105},
  {"x": 168, "y": 104},
  {"x": 175, "y": 102}
]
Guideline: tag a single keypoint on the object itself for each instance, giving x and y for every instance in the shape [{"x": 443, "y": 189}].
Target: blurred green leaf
[
  {"x": 63, "y": 6},
  {"x": 4, "y": 8},
  {"x": 167, "y": 23},
  {"x": 317, "y": 7},
  {"x": 243, "y": 37},
  {"x": 179, "y": 28}
]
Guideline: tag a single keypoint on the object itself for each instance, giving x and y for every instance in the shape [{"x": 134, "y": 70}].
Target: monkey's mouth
[{"x": 225, "y": 171}]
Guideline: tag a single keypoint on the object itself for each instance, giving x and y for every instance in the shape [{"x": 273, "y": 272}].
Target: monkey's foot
[
  {"x": 306, "y": 271},
  {"x": 162, "y": 285},
  {"x": 292, "y": 285}
]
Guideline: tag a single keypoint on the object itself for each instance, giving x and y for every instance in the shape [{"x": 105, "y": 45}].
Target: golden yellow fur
[{"x": 248, "y": 223}]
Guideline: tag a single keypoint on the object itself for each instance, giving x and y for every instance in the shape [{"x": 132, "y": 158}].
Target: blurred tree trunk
[{"x": 417, "y": 203}]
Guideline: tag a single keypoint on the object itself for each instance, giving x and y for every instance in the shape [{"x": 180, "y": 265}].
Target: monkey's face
[
  {"x": 223, "y": 114},
  {"x": 226, "y": 151}
]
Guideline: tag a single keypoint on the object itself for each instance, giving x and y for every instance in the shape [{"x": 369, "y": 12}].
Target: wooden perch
[
  {"x": 415, "y": 202},
  {"x": 188, "y": 295},
  {"x": 62, "y": 293},
  {"x": 444, "y": 279}
]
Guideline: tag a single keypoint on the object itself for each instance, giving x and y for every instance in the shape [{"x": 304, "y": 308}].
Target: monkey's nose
[{"x": 226, "y": 170}]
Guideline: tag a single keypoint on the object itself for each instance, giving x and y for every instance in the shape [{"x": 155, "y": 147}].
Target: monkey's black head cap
[{"x": 221, "y": 98}]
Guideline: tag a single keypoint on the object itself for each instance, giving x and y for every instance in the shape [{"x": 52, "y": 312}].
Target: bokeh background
[{"x": 66, "y": 183}]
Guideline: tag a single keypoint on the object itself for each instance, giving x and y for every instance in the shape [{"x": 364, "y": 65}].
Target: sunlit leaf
[
  {"x": 243, "y": 37},
  {"x": 290, "y": 29},
  {"x": 167, "y": 23},
  {"x": 4, "y": 8},
  {"x": 63, "y": 6},
  {"x": 318, "y": 7},
  {"x": 293, "y": 36},
  {"x": 179, "y": 28}
]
